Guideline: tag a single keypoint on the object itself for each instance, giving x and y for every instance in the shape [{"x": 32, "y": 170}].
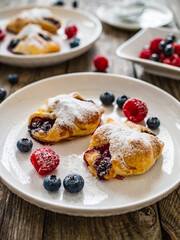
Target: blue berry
[
  {"x": 2, "y": 94},
  {"x": 121, "y": 100},
  {"x": 162, "y": 45},
  {"x": 24, "y": 144},
  {"x": 13, "y": 78},
  {"x": 153, "y": 123},
  {"x": 170, "y": 38},
  {"x": 59, "y": 3},
  {"x": 52, "y": 183},
  {"x": 75, "y": 4},
  {"x": 154, "y": 57},
  {"x": 74, "y": 42},
  {"x": 168, "y": 50},
  {"x": 73, "y": 183},
  {"x": 107, "y": 98}
]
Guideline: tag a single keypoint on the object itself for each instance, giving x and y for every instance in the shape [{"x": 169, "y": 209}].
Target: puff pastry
[
  {"x": 33, "y": 40},
  {"x": 41, "y": 16},
  {"x": 122, "y": 149},
  {"x": 64, "y": 117}
]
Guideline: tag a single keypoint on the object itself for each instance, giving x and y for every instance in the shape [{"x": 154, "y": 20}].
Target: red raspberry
[
  {"x": 154, "y": 44},
  {"x": 71, "y": 31},
  {"x": 145, "y": 53},
  {"x": 173, "y": 60},
  {"x": 2, "y": 35},
  {"x": 100, "y": 63},
  {"x": 161, "y": 57},
  {"x": 135, "y": 110},
  {"x": 45, "y": 160},
  {"x": 176, "y": 48}
]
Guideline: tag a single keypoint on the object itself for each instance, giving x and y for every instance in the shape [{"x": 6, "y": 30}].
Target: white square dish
[{"x": 131, "y": 49}]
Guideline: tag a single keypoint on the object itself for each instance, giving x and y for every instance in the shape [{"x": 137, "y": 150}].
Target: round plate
[
  {"x": 160, "y": 14},
  {"x": 98, "y": 198},
  {"x": 89, "y": 31}
]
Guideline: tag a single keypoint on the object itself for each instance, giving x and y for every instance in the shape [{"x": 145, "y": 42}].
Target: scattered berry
[
  {"x": 2, "y": 94},
  {"x": 2, "y": 35},
  {"x": 135, "y": 110},
  {"x": 74, "y": 42},
  {"x": 59, "y": 3},
  {"x": 45, "y": 160},
  {"x": 24, "y": 144},
  {"x": 100, "y": 63},
  {"x": 145, "y": 53},
  {"x": 71, "y": 31},
  {"x": 73, "y": 183},
  {"x": 154, "y": 44},
  {"x": 121, "y": 101},
  {"x": 153, "y": 122},
  {"x": 155, "y": 57},
  {"x": 13, "y": 78},
  {"x": 162, "y": 45},
  {"x": 52, "y": 183},
  {"x": 107, "y": 98},
  {"x": 173, "y": 60},
  {"x": 170, "y": 38},
  {"x": 168, "y": 50},
  {"x": 75, "y": 4}
]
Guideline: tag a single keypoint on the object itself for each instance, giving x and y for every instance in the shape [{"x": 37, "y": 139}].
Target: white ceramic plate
[
  {"x": 89, "y": 31},
  {"x": 131, "y": 49},
  {"x": 98, "y": 198},
  {"x": 155, "y": 11}
]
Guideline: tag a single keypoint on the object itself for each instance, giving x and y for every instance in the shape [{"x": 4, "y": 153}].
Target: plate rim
[{"x": 84, "y": 211}]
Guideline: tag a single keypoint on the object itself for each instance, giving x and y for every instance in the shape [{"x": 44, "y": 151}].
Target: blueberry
[
  {"x": 13, "y": 78},
  {"x": 52, "y": 183},
  {"x": 24, "y": 144},
  {"x": 73, "y": 183},
  {"x": 74, "y": 42},
  {"x": 154, "y": 57},
  {"x": 121, "y": 100},
  {"x": 75, "y": 4},
  {"x": 170, "y": 38},
  {"x": 107, "y": 98},
  {"x": 2, "y": 93},
  {"x": 59, "y": 3},
  {"x": 162, "y": 45},
  {"x": 153, "y": 122},
  {"x": 168, "y": 50}
]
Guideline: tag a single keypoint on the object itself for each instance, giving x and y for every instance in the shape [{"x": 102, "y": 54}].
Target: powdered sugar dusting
[{"x": 36, "y": 13}]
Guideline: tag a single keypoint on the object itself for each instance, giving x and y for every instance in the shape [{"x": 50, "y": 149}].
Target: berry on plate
[
  {"x": 74, "y": 42},
  {"x": 168, "y": 50},
  {"x": 170, "y": 38},
  {"x": 44, "y": 160},
  {"x": 59, "y": 3},
  {"x": 24, "y": 144},
  {"x": 2, "y": 35},
  {"x": 52, "y": 183},
  {"x": 145, "y": 53},
  {"x": 71, "y": 31},
  {"x": 2, "y": 94},
  {"x": 107, "y": 98},
  {"x": 73, "y": 183},
  {"x": 162, "y": 45},
  {"x": 153, "y": 123},
  {"x": 173, "y": 60},
  {"x": 13, "y": 78},
  {"x": 100, "y": 63},
  {"x": 135, "y": 110},
  {"x": 154, "y": 44},
  {"x": 121, "y": 101},
  {"x": 155, "y": 57},
  {"x": 75, "y": 4}
]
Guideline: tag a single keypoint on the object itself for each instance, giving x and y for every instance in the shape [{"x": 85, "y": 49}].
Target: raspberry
[
  {"x": 44, "y": 160},
  {"x": 2, "y": 35},
  {"x": 135, "y": 110},
  {"x": 173, "y": 60},
  {"x": 176, "y": 48},
  {"x": 154, "y": 44},
  {"x": 71, "y": 31},
  {"x": 145, "y": 53},
  {"x": 100, "y": 63},
  {"x": 161, "y": 57}
]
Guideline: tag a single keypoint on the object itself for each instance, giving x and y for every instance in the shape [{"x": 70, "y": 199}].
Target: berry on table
[
  {"x": 71, "y": 31},
  {"x": 121, "y": 101},
  {"x": 100, "y": 63},
  {"x": 2, "y": 35},
  {"x": 75, "y": 4},
  {"x": 168, "y": 50},
  {"x": 107, "y": 98},
  {"x": 135, "y": 110},
  {"x": 13, "y": 78},
  {"x": 154, "y": 45},
  {"x": 153, "y": 123},
  {"x": 73, "y": 183},
  {"x": 52, "y": 183},
  {"x": 173, "y": 60},
  {"x": 74, "y": 42},
  {"x": 145, "y": 53},
  {"x": 59, "y": 3},
  {"x": 44, "y": 160},
  {"x": 155, "y": 57},
  {"x": 2, "y": 94},
  {"x": 24, "y": 144}
]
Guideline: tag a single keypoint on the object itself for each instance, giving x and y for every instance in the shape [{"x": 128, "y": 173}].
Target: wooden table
[{"x": 22, "y": 221}]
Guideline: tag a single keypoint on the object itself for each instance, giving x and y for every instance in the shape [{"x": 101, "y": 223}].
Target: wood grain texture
[{"x": 22, "y": 221}]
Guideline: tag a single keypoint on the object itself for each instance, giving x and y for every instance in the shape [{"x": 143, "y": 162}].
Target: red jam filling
[{"x": 43, "y": 124}]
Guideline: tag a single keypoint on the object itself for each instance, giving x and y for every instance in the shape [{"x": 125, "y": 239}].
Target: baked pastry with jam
[
  {"x": 41, "y": 16},
  {"x": 33, "y": 40},
  {"x": 122, "y": 149},
  {"x": 64, "y": 117}
]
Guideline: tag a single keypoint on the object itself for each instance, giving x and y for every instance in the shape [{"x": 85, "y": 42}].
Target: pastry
[
  {"x": 41, "y": 16},
  {"x": 122, "y": 149},
  {"x": 64, "y": 117},
  {"x": 33, "y": 40}
]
